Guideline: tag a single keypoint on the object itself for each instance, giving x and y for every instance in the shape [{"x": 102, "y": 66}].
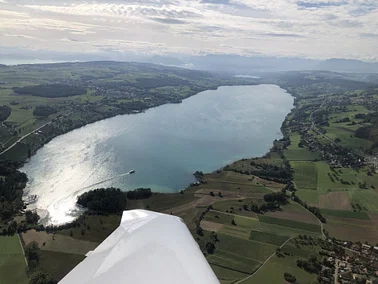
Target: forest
[{"x": 51, "y": 90}]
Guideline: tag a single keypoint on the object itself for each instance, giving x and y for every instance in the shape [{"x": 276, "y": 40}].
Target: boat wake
[{"x": 106, "y": 180}]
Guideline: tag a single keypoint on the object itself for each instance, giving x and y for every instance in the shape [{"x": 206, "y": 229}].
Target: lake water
[{"x": 164, "y": 146}]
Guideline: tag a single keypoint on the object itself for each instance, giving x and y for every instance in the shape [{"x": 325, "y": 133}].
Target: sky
[{"x": 316, "y": 29}]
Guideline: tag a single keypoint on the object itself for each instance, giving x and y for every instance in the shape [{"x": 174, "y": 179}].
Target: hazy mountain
[
  {"x": 229, "y": 63},
  {"x": 347, "y": 65}
]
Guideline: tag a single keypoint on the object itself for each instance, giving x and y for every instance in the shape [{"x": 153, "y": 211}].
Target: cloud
[
  {"x": 369, "y": 35},
  {"x": 223, "y": 2},
  {"x": 308, "y": 28},
  {"x": 169, "y": 21},
  {"x": 282, "y": 35},
  {"x": 320, "y": 4}
]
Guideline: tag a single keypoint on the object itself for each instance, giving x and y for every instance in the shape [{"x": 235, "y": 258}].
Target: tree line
[
  {"x": 44, "y": 110},
  {"x": 12, "y": 183},
  {"x": 110, "y": 200},
  {"x": 5, "y": 112},
  {"x": 51, "y": 90}
]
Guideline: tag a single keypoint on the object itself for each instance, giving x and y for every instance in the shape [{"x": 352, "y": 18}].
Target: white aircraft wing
[{"x": 147, "y": 247}]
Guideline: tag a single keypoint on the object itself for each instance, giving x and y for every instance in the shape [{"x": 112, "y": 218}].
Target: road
[
  {"x": 336, "y": 271},
  {"x": 22, "y": 248},
  {"x": 265, "y": 262},
  {"x": 23, "y": 137}
]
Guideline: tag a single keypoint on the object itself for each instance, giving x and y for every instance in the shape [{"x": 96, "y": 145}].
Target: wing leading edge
[{"x": 147, "y": 247}]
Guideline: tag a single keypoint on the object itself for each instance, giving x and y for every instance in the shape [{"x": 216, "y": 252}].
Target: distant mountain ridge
[
  {"x": 227, "y": 63},
  {"x": 250, "y": 65},
  {"x": 347, "y": 65}
]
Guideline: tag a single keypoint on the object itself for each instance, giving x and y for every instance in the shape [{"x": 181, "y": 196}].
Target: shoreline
[
  {"x": 21, "y": 162},
  {"x": 280, "y": 135}
]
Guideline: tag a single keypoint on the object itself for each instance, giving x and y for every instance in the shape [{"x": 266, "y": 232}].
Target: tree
[
  {"x": 210, "y": 247},
  {"x": 32, "y": 252},
  {"x": 31, "y": 217},
  {"x": 212, "y": 193},
  {"x": 199, "y": 231},
  {"x": 233, "y": 222},
  {"x": 5, "y": 112},
  {"x": 214, "y": 237},
  {"x": 220, "y": 194},
  {"x": 290, "y": 278},
  {"x": 41, "y": 277},
  {"x": 141, "y": 193},
  {"x": 255, "y": 208},
  {"x": 109, "y": 200},
  {"x": 280, "y": 197}
]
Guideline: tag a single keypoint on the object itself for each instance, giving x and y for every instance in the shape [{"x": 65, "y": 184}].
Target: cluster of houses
[{"x": 360, "y": 265}]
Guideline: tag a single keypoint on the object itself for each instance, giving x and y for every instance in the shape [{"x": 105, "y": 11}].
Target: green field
[
  {"x": 367, "y": 199},
  {"x": 100, "y": 228},
  {"x": 269, "y": 238},
  {"x": 305, "y": 175},
  {"x": 302, "y": 252},
  {"x": 325, "y": 183},
  {"x": 12, "y": 261},
  {"x": 235, "y": 205},
  {"x": 345, "y": 131},
  {"x": 233, "y": 261},
  {"x": 219, "y": 218},
  {"x": 290, "y": 224},
  {"x": 245, "y": 248},
  {"x": 225, "y": 274},
  {"x": 312, "y": 179},
  {"x": 295, "y": 153},
  {"x": 285, "y": 231},
  {"x": 346, "y": 214},
  {"x": 58, "y": 264},
  {"x": 273, "y": 272},
  {"x": 308, "y": 195}
]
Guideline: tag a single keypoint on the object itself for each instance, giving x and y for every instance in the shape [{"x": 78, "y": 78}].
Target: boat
[{"x": 132, "y": 171}]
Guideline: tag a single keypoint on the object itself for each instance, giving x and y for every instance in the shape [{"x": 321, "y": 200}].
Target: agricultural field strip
[
  {"x": 272, "y": 220},
  {"x": 228, "y": 268},
  {"x": 354, "y": 225},
  {"x": 223, "y": 265},
  {"x": 232, "y": 214},
  {"x": 234, "y": 182},
  {"x": 240, "y": 256},
  {"x": 249, "y": 240},
  {"x": 356, "y": 215},
  {"x": 265, "y": 262}
]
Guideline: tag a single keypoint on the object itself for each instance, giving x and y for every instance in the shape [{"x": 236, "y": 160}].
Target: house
[
  {"x": 325, "y": 279},
  {"x": 375, "y": 249},
  {"x": 365, "y": 246}
]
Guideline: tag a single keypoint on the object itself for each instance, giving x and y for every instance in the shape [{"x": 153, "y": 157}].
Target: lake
[{"x": 164, "y": 145}]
